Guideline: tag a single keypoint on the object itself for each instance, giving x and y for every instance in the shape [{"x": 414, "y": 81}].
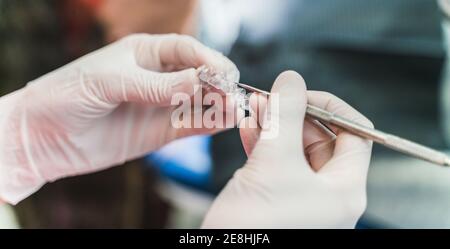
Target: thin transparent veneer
[{"x": 218, "y": 80}]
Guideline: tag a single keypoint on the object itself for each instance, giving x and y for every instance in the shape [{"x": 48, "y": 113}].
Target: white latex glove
[
  {"x": 101, "y": 110},
  {"x": 304, "y": 177}
]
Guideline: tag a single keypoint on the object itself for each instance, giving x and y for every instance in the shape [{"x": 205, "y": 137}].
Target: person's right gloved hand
[
  {"x": 105, "y": 108},
  {"x": 302, "y": 178}
]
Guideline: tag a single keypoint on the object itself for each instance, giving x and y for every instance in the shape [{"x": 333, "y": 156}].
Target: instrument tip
[{"x": 447, "y": 162}]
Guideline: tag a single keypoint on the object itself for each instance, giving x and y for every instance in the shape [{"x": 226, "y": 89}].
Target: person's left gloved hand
[{"x": 101, "y": 110}]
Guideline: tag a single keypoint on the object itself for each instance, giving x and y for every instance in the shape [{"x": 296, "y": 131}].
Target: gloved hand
[
  {"x": 108, "y": 107},
  {"x": 303, "y": 177}
]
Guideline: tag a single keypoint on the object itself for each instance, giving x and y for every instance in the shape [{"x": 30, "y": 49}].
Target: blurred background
[{"x": 387, "y": 58}]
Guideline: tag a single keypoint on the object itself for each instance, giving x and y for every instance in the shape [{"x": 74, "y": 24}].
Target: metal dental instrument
[{"x": 388, "y": 140}]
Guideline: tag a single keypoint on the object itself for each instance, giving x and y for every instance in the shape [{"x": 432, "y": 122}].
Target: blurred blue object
[{"x": 187, "y": 160}]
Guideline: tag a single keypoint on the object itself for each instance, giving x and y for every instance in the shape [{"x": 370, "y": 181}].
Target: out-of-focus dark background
[{"x": 384, "y": 57}]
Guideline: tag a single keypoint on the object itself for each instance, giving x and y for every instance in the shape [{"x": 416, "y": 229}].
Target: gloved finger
[
  {"x": 331, "y": 103},
  {"x": 250, "y": 127},
  {"x": 181, "y": 51},
  {"x": 258, "y": 107},
  {"x": 354, "y": 149},
  {"x": 249, "y": 131},
  {"x": 284, "y": 120},
  {"x": 318, "y": 143},
  {"x": 188, "y": 52},
  {"x": 143, "y": 86},
  {"x": 317, "y": 139}
]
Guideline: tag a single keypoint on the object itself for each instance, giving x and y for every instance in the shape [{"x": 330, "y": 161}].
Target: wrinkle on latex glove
[{"x": 15, "y": 182}]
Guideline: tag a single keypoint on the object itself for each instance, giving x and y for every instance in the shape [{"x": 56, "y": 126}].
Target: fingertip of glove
[{"x": 289, "y": 82}]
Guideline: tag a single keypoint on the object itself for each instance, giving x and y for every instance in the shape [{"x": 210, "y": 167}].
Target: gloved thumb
[
  {"x": 282, "y": 128},
  {"x": 144, "y": 86}
]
